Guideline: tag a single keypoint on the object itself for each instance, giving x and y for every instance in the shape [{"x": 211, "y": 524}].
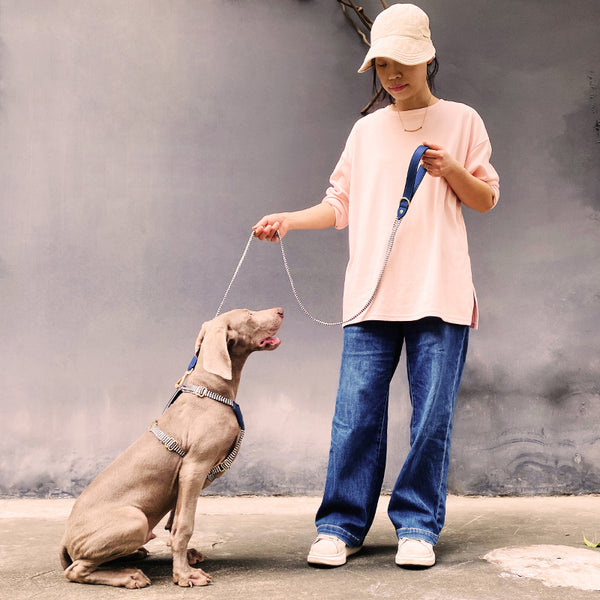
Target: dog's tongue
[{"x": 271, "y": 342}]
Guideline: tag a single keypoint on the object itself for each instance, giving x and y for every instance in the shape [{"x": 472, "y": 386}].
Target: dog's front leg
[{"x": 191, "y": 480}]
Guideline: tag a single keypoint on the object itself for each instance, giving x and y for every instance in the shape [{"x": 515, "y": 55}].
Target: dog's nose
[{"x": 280, "y": 312}]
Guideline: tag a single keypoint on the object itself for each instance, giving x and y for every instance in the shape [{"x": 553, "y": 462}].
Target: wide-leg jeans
[{"x": 435, "y": 356}]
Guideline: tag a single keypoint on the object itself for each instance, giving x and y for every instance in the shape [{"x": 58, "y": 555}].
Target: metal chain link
[
  {"x": 369, "y": 301},
  {"x": 388, "y": 251},
  {"x": 235, "y": 273}
]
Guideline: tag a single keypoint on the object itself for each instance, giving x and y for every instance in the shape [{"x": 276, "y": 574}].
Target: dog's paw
[
  {"x": 195, "y": 577},
  {"x": 194, "y": 557},
  {"x": 134, "y": 579}
]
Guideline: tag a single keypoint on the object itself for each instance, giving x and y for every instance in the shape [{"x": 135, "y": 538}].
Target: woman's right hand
[
  {"x": 267, "y": 227},
  {"x": 320, "y": 216}
]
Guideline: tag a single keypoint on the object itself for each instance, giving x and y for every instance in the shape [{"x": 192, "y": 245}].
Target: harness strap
[
  {"x": 202, "y": 392},
  {"x": 166, "y": 440},
  {"x": 226, "y": 463}
]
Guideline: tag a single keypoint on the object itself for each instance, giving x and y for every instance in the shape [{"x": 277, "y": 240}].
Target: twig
[
  {"x": 366, "y": 22},
  {"x": 373, "y": 101},
  {"x": 360, "y": 13}
]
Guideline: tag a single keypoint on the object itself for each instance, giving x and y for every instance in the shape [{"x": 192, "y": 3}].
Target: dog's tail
[{"x": 65, "y": 559}]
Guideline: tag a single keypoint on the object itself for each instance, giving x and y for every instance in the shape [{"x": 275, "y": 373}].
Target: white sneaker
[
  {"x": 417, "y": 553},
  {"x": 330, "y": 551}
]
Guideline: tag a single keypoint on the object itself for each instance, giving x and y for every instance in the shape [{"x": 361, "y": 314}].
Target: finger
[
  {"x": 432, "y": 155},
  {"x": 262, "y": 233},
  {"x": 271, "y": 228},
  {"x": 432, "y": 146}
]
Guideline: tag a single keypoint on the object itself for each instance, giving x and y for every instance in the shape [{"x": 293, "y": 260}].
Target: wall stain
[{"x": 593, "y": 103}]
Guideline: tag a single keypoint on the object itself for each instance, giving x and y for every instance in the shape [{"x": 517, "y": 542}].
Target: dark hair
[
  {"x": 432, "y": 70},
  {"x": 380, "y": 96}
]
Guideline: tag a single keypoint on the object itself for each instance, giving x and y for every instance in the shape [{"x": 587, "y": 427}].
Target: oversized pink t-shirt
[{"x": 429, "y": 269}]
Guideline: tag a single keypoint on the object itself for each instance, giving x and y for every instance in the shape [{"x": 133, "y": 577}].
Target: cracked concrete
[
  {"x": 553, "y": 565},
  {"x": 256, "y": 548}
]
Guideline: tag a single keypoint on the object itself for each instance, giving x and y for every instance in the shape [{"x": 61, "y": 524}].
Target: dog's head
[{"x": 237, "y": 333}]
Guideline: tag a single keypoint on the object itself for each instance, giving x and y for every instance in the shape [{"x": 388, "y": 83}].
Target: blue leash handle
[{"x": 413, "y": 179}]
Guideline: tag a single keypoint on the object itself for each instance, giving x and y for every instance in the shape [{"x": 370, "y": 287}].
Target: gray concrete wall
[{"x": 140, "y": 140}]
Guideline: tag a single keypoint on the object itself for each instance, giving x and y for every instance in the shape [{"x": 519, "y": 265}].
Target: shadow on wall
[{"x": 576, "y": 151}]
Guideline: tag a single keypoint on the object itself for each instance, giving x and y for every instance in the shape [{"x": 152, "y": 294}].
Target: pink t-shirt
[{"x": 429, "y": 270}]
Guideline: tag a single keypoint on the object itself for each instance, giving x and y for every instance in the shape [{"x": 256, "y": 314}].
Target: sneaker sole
[
  {"x": 415, "y": 562},
  {"x": 331, "y": 561},
  {"x": 326, "y": 561}
]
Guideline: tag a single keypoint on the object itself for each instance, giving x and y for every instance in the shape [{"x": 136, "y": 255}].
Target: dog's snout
[{"x": 279, "y": 312}]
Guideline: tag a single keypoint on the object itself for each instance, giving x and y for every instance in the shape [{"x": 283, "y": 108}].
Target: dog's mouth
[{"x": 269, "y": 343}]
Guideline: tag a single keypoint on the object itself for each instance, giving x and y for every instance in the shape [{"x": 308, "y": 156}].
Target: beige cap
[{"x": 401, "y": 33}]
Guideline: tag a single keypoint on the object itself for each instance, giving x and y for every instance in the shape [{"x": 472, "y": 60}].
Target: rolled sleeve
[
  {"x": 338, "y": 192},
  {"x": 478, "y": 164}
]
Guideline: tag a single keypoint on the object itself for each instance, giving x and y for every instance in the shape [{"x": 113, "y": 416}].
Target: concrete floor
[{"x": 256, "y": 548}]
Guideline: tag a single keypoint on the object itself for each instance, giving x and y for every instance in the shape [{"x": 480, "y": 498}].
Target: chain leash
[
  {"x": 414, "y": 176},
  {"x": 388, "y": 251},
  {"x": 237, "y": 269}
]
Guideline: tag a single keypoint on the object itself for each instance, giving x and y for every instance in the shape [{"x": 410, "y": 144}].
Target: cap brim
[{"x": 404, "y": 54}]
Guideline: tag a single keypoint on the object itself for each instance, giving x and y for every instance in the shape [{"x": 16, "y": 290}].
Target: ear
[
  {"x": 201, "y": 337},
  {"x": 215, "y": 354}
]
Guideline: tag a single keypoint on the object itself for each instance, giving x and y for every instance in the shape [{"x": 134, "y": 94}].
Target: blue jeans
[{"x": 435, "y": 356}]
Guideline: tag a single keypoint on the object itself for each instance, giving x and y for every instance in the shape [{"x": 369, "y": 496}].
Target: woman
[{"x": 426, "y": 299}]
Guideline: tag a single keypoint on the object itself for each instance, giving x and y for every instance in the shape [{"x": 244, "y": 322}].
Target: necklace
[{"x": 420, "y": 126}]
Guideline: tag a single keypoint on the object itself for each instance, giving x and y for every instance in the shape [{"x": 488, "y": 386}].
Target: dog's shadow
[{"x": 158, "y": 566}]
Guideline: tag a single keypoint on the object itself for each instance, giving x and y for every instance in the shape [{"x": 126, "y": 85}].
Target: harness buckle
[
  {"x": 183, "y": 378},
  {"x": 190, "y": 368}
]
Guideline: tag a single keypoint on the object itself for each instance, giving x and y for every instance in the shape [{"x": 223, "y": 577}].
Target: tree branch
[{"x": 362, "y": 27}]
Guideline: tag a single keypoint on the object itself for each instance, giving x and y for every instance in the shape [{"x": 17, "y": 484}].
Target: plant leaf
[{"x": 590, "y": 544}]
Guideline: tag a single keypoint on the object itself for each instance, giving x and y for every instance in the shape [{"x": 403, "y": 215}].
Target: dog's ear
[
  {"x": 201, "y": 337},
  {"x": 215, "y": 354}
]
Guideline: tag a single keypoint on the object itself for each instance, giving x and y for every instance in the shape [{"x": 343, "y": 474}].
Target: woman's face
[{"x": 407, "y": 84}]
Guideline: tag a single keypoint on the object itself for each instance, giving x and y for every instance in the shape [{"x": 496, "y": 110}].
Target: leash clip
[
  {"x": 190, "y": 368},
  {"x": 403, "y": 206},
  {"x": 182, "y": 379}
]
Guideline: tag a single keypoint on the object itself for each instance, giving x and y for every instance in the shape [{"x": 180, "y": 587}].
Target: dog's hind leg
[
  {"x": 139, "y": 554},
  {"x": 86, "y": 571},
  {"x": 117, "y": 534},
  {"x": 194, "y": 557}
]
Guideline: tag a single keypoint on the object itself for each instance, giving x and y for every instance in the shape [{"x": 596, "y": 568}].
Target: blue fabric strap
[
  {"x": 238, "y": 414},
  {"x": 413, "y": 179}
]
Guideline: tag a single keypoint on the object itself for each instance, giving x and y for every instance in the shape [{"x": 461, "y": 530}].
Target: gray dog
[{"x": 191, "y": 444}]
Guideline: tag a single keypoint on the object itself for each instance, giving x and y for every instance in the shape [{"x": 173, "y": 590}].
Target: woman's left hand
[
  {"x": 437, "y": 161},
  {"x": 470, "y": 190}
]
